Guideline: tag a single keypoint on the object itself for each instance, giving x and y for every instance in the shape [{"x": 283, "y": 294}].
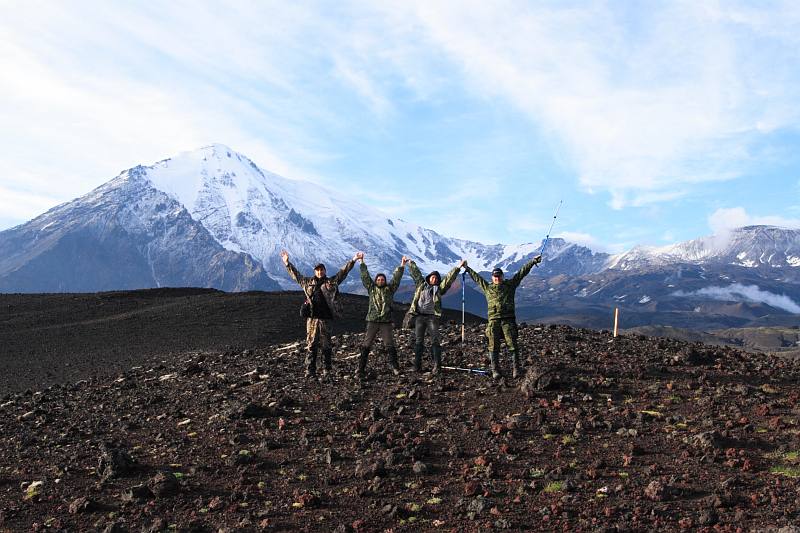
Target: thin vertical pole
[
  {"x": 616, "y": 320},
  {"x": 463, "y": 307}
]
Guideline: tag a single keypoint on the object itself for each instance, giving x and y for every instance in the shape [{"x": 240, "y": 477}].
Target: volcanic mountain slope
[
  {"x": 213, "y": 218},
  {"x": 631, "y": 433},
  {"x": 123, "y": 235}
]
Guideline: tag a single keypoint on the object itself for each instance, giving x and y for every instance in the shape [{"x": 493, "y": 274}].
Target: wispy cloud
[
  {"x": 737, "y": 292},
  {"x": 724, "y": 220},
  {"x": 640, "y": 100}
]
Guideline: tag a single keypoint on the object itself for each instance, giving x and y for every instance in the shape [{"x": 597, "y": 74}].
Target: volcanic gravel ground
[
  {"x": 56, "y": 338},
  {"x": 632, "y": 433}
]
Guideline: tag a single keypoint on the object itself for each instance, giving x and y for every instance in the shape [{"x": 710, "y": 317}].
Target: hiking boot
[
  {"x": 516, "y": 365},
  {"x": 418, "y": 349},
  {"x": 361, "y": 372},
  {"x": 327, "y": 366},
  {"x": 311, "y": 363},
  {"x": 494, "y": 358},
  {"x": 436, "y": 352},
  {"x": 393, "y": 361}
]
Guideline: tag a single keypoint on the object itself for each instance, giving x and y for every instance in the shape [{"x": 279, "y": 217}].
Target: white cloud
[
  {"x": 746, "y": 293},
  {"x": 673, "y": 96},
  {"x": 723, "y": 220},
  {"x": 584, "y": 239}
]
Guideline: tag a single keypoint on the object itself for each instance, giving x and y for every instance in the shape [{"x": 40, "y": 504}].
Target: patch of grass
[
  {"x": 536, "y": 473},
  {"x": 566, "y": 440},
  {"x": 791, "y": 456},
  {"x": 553, "y": 486},
  {"x": 783, "y": 470},
  {"x": 548, "y": 436}
]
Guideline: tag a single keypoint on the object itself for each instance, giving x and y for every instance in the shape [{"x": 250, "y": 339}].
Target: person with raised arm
[
  {"x": 323, "y": 306},
  {"x": 379, "y": 315},
  {"x": 426, "y": 309},
  {"x": 501, "y": 313}
]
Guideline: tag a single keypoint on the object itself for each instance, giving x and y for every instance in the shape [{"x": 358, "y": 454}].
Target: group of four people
[{"x": 426, "y": 307}]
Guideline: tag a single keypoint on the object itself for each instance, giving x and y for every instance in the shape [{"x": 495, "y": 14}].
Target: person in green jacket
[
  {"x": 501, "y": 313},
  {"x": 426, "y": 308},
  {"x": 379, "y": 314}
]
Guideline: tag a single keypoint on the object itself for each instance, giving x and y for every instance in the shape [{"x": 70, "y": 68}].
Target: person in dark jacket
[
  {"x": 501, "y": 312},
  {"x": 379, "y": 315},
  {"x": 426, "y": 310},
  {"x": 322, "y": 295}
]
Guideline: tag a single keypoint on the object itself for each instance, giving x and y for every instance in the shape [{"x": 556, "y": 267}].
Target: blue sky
[{"x": 655, "y": 122}]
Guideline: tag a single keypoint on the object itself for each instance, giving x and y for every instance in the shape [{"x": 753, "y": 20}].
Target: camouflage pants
[
  {"x": 318, "y": 333},
  {"x": 499, "y": 328},
  {"x": 386, "y": 331}
]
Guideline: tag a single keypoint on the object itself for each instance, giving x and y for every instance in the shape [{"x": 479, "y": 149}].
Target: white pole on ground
[{"x": 616, "y": 320}]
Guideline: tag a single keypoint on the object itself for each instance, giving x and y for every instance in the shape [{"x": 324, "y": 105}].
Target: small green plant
[
  {"x": 536, "y": 473},
  {"x": 788, "y": 471},
  {"x": 553, "y": 486},
  {"x": 566, "y": 440}
]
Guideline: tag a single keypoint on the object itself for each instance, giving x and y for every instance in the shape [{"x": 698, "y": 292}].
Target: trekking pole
[
  {"x": 547, "y": 238},
  {"x": 463, "y": 305},
  {"x": 470, "y": 370}
]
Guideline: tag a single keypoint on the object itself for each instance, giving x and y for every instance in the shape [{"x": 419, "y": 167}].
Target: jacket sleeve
[
  {"x": 297, "y": 276},
  {"x": 448, "y": 280},
  {"x": 396, "y": 277},
  {"x": 416, "y": 275},
  {"x": 342, "y": 274},
  {"x": 477, "y": 278},
  {"x": 365, "y": 278},
  {"x": 522, "y": 272}
]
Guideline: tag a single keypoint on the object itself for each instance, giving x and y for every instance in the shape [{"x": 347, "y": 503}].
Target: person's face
[
  {"x": 497, "y": 279},
  {"x": 319, "y": 272},
  {"x": 380, "y": 281},
  {"x": 433, "y": 280}
]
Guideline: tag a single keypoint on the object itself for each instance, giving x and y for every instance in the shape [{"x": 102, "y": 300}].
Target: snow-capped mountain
[
  {"x": 123, "y": 235},
  {"x": 252, "y": 211},
  {"x": 212, "y": 218},
  {"x": 749, "y": 247}
]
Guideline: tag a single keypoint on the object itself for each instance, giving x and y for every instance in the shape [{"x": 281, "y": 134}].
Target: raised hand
[
  {"x": 537, "y": 259},
  {"x": 404, "y": 260},
  {"x": 285, "y": 257},
  {"x": 463, "y": 263},
  {"x": 359, "y": 257}
]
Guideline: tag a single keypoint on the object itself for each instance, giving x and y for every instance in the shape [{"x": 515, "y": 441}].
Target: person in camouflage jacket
[
  {"x": 321, "y": 294},
  {"x": 379, "y": 314},
  {"x": 426, "y": 309},
  {"x": 501, "y": 313}
]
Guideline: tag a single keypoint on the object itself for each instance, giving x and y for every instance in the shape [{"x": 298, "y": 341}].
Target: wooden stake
[{"x": 616, "y": 320}]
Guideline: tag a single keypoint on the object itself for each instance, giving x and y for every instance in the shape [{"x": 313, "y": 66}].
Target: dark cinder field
[{"x": 62, "y": 338}]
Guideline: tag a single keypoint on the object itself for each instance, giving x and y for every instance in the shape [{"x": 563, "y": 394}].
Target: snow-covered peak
[
  {"x": 250, "y": 210},
  {"x": 749, "y": 246}
]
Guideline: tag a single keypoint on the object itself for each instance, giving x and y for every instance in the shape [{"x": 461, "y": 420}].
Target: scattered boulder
[
  {"x": 164, "y": 484},
  {"x": 115, "y": 462}
]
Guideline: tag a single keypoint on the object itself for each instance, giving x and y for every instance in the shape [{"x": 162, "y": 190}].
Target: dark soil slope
[
  {"x": 632, "y": 434},
  {"x": 58, "y": 338}
]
